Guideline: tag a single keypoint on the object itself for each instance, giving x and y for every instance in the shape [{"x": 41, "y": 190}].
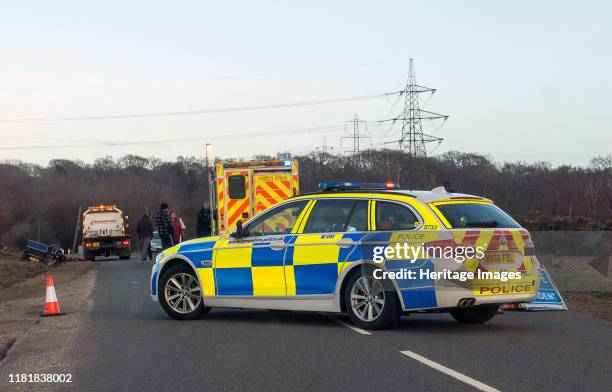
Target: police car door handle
[
  {"x": 345, "y": 242},
  {"x": 277, "y": 245}
]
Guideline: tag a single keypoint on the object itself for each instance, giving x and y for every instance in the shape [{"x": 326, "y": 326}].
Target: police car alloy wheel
[
  {"x": 367, "y": 298},
  {"x": 181, "y": 294},
  {"x": 371, "y": 303}
]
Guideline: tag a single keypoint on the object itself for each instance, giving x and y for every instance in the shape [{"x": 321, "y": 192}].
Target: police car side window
[
  {"x": 358, "y": 221},
  {"x": 329, "y": 216},
  {"x": 393, "y": 216},
  {"x": 279, "y": 220}
]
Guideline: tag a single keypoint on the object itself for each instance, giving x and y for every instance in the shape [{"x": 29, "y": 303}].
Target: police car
[{"x": 322, "y": 252}]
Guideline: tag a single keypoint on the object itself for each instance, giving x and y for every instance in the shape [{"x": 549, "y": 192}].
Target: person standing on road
[
  {"x": 144, "y": 228},
  {"x": 177, "y": 228},
  {"x": 204, "y": 220},
  {"x": 164, "y": 226}
]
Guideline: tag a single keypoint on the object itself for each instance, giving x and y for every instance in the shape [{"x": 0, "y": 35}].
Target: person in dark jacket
[
  {"x": 204, "y": 220},
  {"x": 164, "y": 226},
  {"x": 144, "y": 228}
]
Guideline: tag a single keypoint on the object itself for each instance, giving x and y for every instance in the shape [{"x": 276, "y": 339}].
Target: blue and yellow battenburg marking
[{"x": 309, "y": 264}]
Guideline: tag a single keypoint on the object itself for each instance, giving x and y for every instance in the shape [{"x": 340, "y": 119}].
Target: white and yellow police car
[{"x": 345, "y": 249}]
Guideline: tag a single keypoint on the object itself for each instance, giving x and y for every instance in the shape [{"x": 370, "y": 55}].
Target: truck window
[
  {"x": 393, "y": 216},
  {"x": 236, "y": 187}
]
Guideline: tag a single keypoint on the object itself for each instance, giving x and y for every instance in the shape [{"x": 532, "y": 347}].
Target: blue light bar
[{"x": 331, "y": 186}]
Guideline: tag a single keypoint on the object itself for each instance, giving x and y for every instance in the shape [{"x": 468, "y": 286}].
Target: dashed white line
[
  {"x": 349, "y": 326},
  {"x": 461, "y": 377}
]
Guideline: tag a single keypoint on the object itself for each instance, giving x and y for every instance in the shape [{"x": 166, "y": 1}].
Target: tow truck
[{"x": 104, "y": 233}]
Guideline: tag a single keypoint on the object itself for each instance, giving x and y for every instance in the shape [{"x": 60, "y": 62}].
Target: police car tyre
[
  {"x": 180, "y": 293},
  {"x": 475, "y": 315},
  {"x": 371, "y": 303}
]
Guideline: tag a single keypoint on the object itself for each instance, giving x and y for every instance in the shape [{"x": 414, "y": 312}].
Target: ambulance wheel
[
  {"x": 180, "y": 293},
  {"x": 475, "y": 315},
  {"x": 371, "y": 303}
]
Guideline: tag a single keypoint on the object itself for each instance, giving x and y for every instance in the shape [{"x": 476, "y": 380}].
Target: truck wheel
[
  {"x": 475, "y": 315},
  {"x": 180, "y": 293},
  {"x": 368, "y": 304}
]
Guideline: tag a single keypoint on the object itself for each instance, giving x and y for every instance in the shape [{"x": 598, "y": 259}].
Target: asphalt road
[{"x": 127, "y": 342}]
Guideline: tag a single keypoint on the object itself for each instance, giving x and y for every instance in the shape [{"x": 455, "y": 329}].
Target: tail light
[{"x": 529, "y": 246}]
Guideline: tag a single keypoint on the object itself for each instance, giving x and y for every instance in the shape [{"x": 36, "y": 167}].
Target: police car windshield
[{"x": 477, "y": 215}]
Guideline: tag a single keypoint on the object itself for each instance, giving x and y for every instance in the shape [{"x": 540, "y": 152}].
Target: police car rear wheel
[
  {"x": 475, "y": 315},
  {"x": 369, "y": 304},
  {"x": 181, "y": 295}
]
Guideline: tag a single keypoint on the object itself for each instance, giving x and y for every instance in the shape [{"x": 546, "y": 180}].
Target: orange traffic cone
[{"x": 51, "y": 304}]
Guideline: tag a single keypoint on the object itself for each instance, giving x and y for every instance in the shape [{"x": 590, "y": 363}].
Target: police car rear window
[
  {"x": 476, "y": 215},
  {"x": 393, "y": 216}
]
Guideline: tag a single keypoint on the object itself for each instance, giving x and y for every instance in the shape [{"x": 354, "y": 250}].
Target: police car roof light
[{"x": 336, "y": 186}]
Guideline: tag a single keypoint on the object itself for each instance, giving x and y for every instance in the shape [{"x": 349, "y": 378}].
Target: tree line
[{"x": 42, "y": 202}]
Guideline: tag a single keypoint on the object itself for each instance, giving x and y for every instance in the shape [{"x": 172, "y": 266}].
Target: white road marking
[
  {"x": 349, "y": 326},
  {"x": 461, "y": 377},
  {"x": 133, "y": 282}
]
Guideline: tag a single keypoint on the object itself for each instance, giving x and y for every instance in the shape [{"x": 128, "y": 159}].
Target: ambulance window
[
  {"x": 236, "y": 187},
  {"x": 329, "y": 216},
  {"x": 279, "y": 220},
  {"x": 393, "y": 216}
]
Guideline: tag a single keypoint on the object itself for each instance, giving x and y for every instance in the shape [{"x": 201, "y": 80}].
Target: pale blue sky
[{"x": 521, "y": 80}]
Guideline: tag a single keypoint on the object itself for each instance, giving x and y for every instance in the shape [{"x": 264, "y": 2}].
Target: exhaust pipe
[{"x": 466, "y": 302}]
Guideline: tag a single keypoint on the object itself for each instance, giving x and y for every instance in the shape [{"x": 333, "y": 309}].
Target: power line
[
  {"x": 313, "y": 68},
  {"x": 242, "y": 135},
  {"x": 202, "y": 111}
]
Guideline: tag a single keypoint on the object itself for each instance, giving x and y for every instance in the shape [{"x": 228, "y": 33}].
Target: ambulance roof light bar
[{"x": 344, "y": 186}]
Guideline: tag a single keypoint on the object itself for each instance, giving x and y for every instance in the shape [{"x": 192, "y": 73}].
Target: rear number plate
[{"x": 499, "y": 259}]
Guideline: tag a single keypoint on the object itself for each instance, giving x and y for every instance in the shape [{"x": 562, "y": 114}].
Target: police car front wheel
[
  {"x": 370, "y": 304},
  {"x": 181, "y": 294}
]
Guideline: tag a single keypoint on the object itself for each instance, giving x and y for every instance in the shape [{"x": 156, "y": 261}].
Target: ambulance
[{"x": 241, "y": 190}]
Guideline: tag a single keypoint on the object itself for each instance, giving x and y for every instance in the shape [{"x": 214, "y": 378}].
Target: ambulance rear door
[
  {"x": 271, "y": 187},
  {"x": 237, "y": 198}
]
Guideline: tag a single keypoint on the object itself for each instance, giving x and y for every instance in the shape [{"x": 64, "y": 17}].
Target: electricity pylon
[
  {"x": 356, "y": 124},
  {"x": 412, "y": 139}
]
